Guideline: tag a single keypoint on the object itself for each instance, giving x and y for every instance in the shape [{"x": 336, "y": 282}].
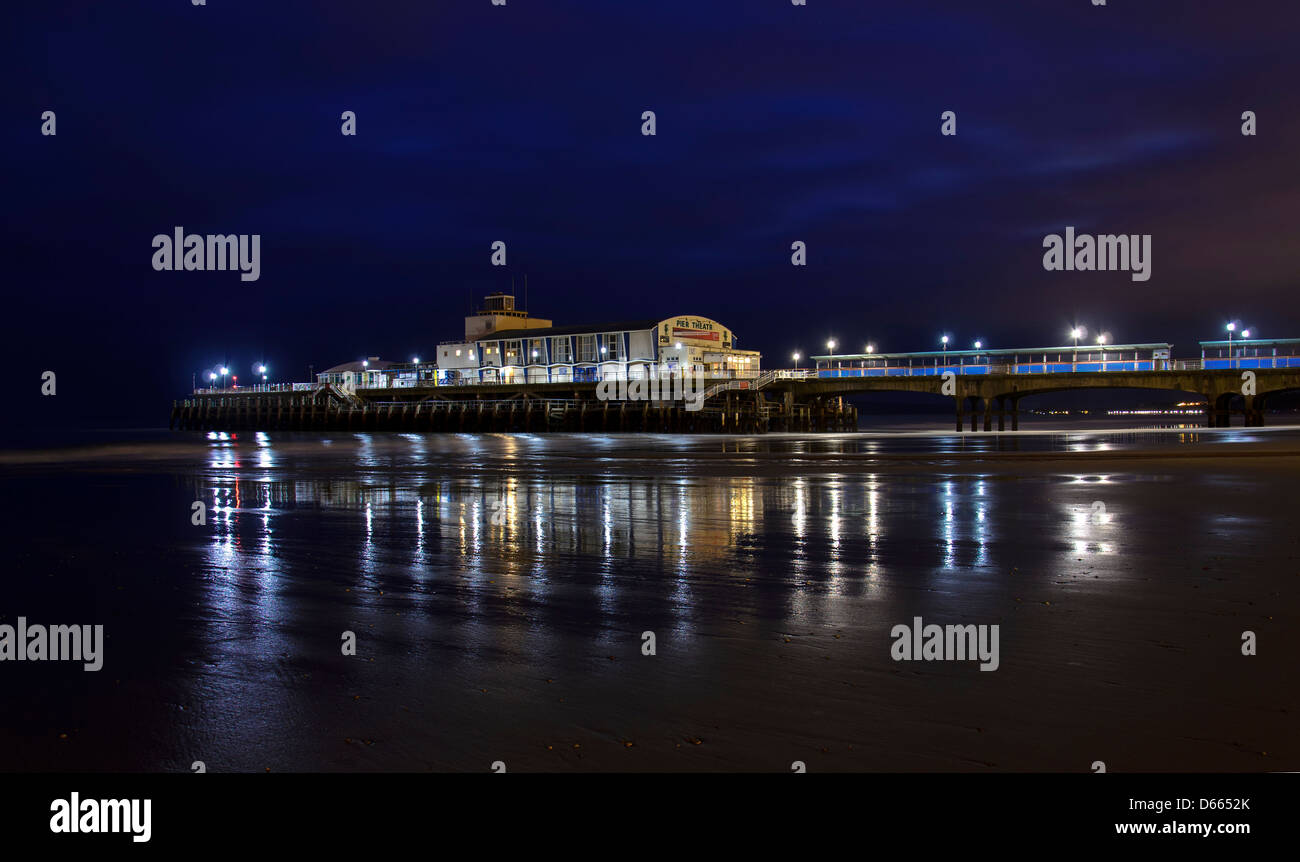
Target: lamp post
[
  {"x": 1076, "y": 334},
  {"x": 796, "y": 360},
  {"x": 1231, "y": 328},
  {"x": 224, "y": 372},
  {"x": 1101, "y": 340}
]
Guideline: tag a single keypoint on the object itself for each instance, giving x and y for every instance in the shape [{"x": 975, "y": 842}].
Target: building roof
[
  {"x": 375, "y": 365},
  {"x": 1252, "y": 342},
  {"x": 584, "y": 329}
]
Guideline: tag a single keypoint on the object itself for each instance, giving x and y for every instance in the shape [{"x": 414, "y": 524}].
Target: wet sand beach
[{"x": 500, "y": 588}]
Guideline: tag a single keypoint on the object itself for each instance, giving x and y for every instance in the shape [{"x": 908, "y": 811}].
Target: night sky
[{"x": 522, "y": 123}]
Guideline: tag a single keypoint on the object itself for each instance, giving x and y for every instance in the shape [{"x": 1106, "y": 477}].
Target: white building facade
[
  {"x": 629, "y": 350},
  {"x": 504, "y": 345}
]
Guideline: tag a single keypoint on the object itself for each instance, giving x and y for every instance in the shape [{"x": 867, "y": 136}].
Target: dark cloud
[{"x": 776, "y": 123}]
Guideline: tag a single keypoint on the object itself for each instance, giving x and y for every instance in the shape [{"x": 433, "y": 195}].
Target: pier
[
  {"x": 485, "y": 408},
  {"x": 774, "y": 401}
]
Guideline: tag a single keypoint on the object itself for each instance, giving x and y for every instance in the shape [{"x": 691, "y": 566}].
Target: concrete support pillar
[
  {"x": 1218, "y": 411},
  {"x": 1254, "y": 411},
  {"x": 1002, "y": 412}
]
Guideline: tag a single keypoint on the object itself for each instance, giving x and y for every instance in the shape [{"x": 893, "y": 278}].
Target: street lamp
[
  {"x": 224, "y": 372},
  {"x": 796, "y": 360},
  {"x": 212, "y": 379},
  {"x": 830, "y": 345},
  {"x": 1231, "y": 328},
  {"x": 1076, "y": 334},
  {"x": 1101, "y": 340}
]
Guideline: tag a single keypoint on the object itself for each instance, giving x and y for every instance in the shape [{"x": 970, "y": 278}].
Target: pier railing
[
  {"x": 1090, "y": 365},
  {"x": 259, "y": 387}
]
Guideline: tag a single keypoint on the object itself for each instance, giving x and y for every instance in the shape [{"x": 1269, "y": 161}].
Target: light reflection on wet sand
[{"x": 499, "y": 587}]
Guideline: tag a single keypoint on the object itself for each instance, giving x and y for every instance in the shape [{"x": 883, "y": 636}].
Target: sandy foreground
[{"x": 1121, "y": 580}]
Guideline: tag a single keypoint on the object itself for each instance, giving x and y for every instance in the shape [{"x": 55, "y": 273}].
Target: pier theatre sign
[{"x": 699, "y": 331}]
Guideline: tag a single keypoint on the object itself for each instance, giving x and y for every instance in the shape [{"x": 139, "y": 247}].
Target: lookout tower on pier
[{"x": 499, "y": 313}]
